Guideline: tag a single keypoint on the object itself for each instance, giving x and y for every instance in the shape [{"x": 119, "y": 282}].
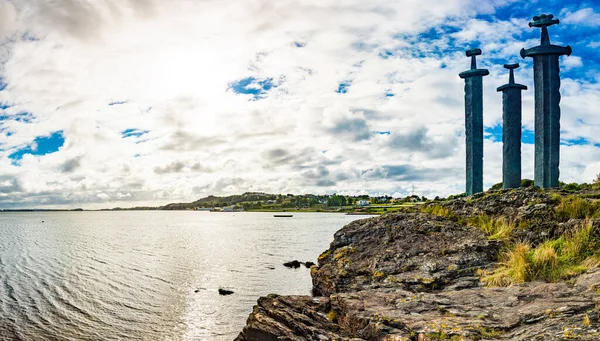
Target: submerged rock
[
  {"x": 293, "y": 264},
  {"x": 225, "y": 292}
]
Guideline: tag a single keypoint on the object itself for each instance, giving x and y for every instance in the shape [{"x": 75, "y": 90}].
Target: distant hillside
[
  {"x": 215, "y": 201},
  {"x": 258, "y": 201}
]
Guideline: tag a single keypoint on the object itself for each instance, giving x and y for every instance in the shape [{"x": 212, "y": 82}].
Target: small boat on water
[{"x": 283, "y": 215}]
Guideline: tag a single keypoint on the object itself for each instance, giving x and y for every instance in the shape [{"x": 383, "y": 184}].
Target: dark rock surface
[
  {"x": 418, "y": 252},
  {"x": 413, "y": 276},
  {"x": 225, "y": 292},
  {"x": 536, "y": 311},
  {"x": 293, "y": 264},
  {"x": 526, "y": 206}
]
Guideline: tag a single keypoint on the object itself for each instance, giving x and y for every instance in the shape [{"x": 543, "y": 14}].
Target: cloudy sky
[{"x": 108, "y": 103}]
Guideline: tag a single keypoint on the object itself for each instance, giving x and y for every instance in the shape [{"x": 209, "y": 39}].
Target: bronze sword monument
[
  {"x": 546, "y": 74},
  {"x": 511, "y": 129},
  {"x": 474, "y": 123}
]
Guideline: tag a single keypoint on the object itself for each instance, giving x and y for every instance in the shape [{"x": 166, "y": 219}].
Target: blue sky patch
[
  {"x": 258, "y": 88},
  {"x": 383, "y": 132},
  {"x": 343, "y": 87},
  {"x": 299, "y": 44},
  {"x": 438, "y": 42},
  {"x": 495, "y": 134},
  {"x": 133, "y": 132},
  {"x": 117, "y": 103},
  {"x": 25, "y": 117},
  {"x": 577, "y": 34},
  {"x": 2, "y": 84},
  {"x": 527, "y": 136},
  {"x": 386, "y": 54},
  {"x": 575, "y": 142},
  {"x": 42, "y": 145}
]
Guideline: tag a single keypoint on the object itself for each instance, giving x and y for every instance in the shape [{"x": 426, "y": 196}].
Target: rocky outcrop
[
  {"x": 413, "y": 251},
  {"x": 529, "y": 207},
  {"x": 414, "y": 276},
  {"x": 536, "y": 311}
]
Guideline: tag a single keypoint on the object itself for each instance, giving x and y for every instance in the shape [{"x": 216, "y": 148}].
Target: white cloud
[
  {"x": 572, "y": 62},
  {"x": 583, "y": 17},
  {"x": 169, "y": 65},
  {"x": 8, "y": 19},
  {"x": 103, "y": 196}
]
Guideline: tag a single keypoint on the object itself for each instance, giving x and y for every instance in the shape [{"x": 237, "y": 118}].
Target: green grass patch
[
  {"x": 496, "y": 229},
  {"x": 551, "y": 261},
  {"x": 576, "y": 207},
  {"x": 444, "y": 212}
]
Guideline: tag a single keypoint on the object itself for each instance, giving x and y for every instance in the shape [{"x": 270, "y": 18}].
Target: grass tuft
[
  {"x": 575, "y": 207},
  {"x": 444, "y": 212},
  {"x": 496, "y": 229},
  {"x": 586, "y": 320},
  {"x": 332, "y": 316},
  {"x": 551, "y": 261}
]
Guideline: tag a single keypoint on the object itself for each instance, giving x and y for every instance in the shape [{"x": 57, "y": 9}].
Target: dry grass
[
  {"x": 513, "y": 269},
  {"x": 443, "y": 212},
  {"x": 496, "y": 229},
  {"x": 551, "y": 261},
  {"x": 437, "y": 210},
  {"x": 575, "y": 207}
]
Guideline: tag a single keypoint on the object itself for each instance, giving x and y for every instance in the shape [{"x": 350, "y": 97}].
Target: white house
[{"x": 363, "y": 203}]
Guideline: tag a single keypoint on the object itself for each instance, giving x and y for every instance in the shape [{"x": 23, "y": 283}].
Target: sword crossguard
[
  {"x": 544, "y": 20},
  {"x": 511, "y": 67},
  {"x": 511, "y": 79},
  {"x": 473, "y": 53}
]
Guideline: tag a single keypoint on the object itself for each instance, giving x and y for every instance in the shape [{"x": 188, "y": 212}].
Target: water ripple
[{"x": 148, "y": 275}]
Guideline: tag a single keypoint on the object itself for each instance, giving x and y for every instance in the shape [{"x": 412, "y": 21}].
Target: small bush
[
  {"x": 527, "y": 183},
  {"x": 457, "y": 196},
  {"x": 573, "y": 187},
  {"x": 497, "y": 187},
  {"x": 556, "y": 198}
]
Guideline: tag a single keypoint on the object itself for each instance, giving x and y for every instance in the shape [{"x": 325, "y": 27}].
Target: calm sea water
[{"x": 149, "y": 275}]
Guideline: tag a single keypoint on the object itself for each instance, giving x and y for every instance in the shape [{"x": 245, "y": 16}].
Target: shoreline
[{"x": 439, "y": 272}]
